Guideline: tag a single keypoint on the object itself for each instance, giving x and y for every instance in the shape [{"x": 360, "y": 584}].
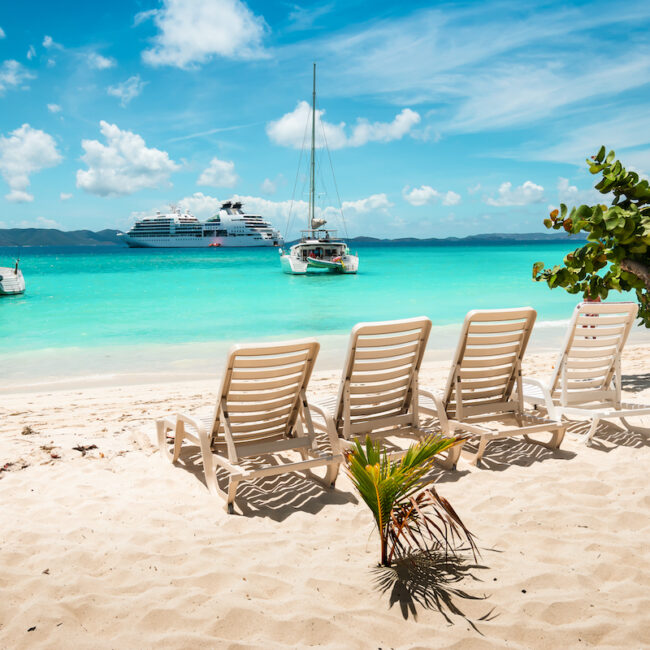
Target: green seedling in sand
[
  {"x": 411, "y": 516},
  {"x": 617, "y": 253}
]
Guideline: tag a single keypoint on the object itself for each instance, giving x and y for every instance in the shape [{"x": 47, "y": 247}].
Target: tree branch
[{"x": 639, "y": 269}]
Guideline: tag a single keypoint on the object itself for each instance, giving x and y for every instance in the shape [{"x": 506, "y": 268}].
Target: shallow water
[{"x": 132, "y": 307}]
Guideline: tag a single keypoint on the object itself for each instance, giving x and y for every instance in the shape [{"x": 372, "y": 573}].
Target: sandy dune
[{"x": 111, "y": 548}]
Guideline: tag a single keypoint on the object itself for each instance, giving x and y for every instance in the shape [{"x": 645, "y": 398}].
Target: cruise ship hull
[{"x": 199, "y": 242}]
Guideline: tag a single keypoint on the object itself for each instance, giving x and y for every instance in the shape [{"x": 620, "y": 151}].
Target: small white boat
[
  {"x": 319, "y": 250},
  {"x": 12, "y": 281}
]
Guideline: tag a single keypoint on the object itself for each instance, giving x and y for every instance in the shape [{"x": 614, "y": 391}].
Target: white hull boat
[
  {"x": 318, "y": 251},
  {"x": 318, "y": 254},
  {"x": 231, "y": 227},
  {"x": 12, "y": 281}
]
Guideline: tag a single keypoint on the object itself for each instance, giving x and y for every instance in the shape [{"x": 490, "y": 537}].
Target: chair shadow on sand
[
  {"x": 502, "y": 453},
  {"x": 609, "y": 435},
  {"x": 276, "y": 497},
  {"x": 431, "y": 581},
  {"x": 635, "y": 383}
]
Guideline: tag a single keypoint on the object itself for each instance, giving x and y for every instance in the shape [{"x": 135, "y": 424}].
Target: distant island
[
  {"x": 54, "y": 237},
  {"x": 108, "y": 237}
]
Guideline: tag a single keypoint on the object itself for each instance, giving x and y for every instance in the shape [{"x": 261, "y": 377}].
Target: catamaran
[
  {"x": 319, "y": 250},
  {"x": 230, "y": 226}
]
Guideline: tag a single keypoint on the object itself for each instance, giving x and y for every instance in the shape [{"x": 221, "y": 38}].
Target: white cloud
[
  {"x": 31, "y": 53},
  {"x": 12, "y": 75},
  {"x": 523, "y": 195},
  {"x": 43, "y": 222},
  {"x": 571, "y": 195},
  {"x": 193, "y": 31},
  {"x": 303, "y": 18},
  {"x": 373, "y": 203},
  {"x": 100, "y": 62},
  {"x": 280, "y": 212},
  {"x": 290, "y": 130},
  {"x": 510, "y": 95},
  {"x": 268, "y": 186},
  {"x": 421, "y": 195},
  {"x": 19, "y": 196},
  {"x": 219, "y": 173},
  {"x": 451, "y": 198},
  {"x": 50, "y": 44},
  {"x": 64, "y": 196},
  {"x": 474, "y": 188},
  {"x": 51, "y": 63},
  {"x": 384, "y": 131},
  {"x": 53, "y": 108},
  {"x": 425, "y": 194},
  {"x": 201, "y": 205},
  {"x": 629, "y": 128},
  {"x": 2, "y": 33},
  {"x": 40, "y": 222},
  {"x": 127, "y": 90},
  {"x": 488, "y": 69},
  {"x": 23, "y": 152},
  {"x": 122, "y": 166},
  {"x": 141, "y": 16}
]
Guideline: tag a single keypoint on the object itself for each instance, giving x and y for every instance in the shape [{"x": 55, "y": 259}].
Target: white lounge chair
[
  {"x": 483, "y": 379},
  {"x": 586, "y": 380},
  {"x": 261, "y": 410},
  {"x": 378, "y": 393}
]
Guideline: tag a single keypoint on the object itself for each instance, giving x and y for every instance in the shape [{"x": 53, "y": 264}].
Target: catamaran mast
[{"x": 312, "y": 188}]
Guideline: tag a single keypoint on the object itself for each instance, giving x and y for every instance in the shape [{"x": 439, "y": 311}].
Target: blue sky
[{"x": 442, "y": 119}]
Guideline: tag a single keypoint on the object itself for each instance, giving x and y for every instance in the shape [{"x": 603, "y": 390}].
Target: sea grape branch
[{"x": 617, "y": 253}]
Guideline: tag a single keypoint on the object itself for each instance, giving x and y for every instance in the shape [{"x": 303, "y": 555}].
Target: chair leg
[
  {"x": 592, "y": 430},
  {"x": 162, "y": 426},
  {"x": 209, "y": 470},
  {"x": 233, "y": 482},
  {"x": 483, "y": 442},
  {"x": 558, "y": 437},
  {"x": 179, "y": 434},
  {"x": 331, "y": 474},
  {"x": 450, "y": 461},
  {"x": 645, "y": 431}
]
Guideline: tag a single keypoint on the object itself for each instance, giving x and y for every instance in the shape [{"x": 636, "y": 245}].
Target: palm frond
[{"x": 409, "y": 517}]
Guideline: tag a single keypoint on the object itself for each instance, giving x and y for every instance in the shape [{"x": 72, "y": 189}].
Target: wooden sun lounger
[
  {"x": 484, "y": 383},
  {"x": 261, "y": 410},
  {"x": 586, "y": 381},
  {"x": 378, "y": 394}
]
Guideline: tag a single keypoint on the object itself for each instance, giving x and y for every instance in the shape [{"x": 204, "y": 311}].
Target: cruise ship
[{"x": 231, "y": 226}]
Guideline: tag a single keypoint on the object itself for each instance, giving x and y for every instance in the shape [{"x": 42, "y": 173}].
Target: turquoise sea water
[
  {"x": 104, "y": 297},
  {"x": 99, "y": 316}
]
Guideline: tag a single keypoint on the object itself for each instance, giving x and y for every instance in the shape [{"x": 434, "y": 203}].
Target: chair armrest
[
  {"x": 437, "y": 399},
  {"x": 319, "y": 410},
  {"x": 329, "y": 427},
  {"x": 542, "y": 388},
  {"x": 192, "y": 421}
]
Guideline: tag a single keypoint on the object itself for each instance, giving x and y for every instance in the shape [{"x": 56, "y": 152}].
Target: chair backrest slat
[
  {"x": 261, "y": 390},
  {"x": 379, "y": 382},
  {"x": 591, "y": 352},
  {"x": 487, "y": 362}
]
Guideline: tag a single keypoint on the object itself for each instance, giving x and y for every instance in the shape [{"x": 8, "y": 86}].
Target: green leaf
[
  {"x": 537, "y": 267},
  {"x": 601, "y": 154}
]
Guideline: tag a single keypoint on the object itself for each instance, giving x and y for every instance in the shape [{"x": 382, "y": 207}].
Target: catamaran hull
[
  {"x": 199, "y": 242},
  {"x": 296, "y": 266}
]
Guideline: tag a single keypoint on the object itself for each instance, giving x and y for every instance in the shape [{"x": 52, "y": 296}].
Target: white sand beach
[{"x": 113, "y": 547}]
